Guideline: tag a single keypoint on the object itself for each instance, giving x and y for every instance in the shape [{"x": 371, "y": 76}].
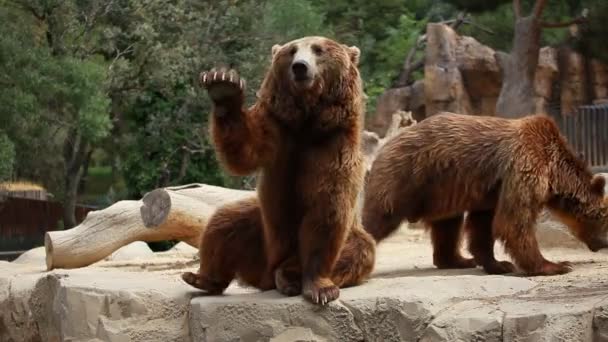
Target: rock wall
[{"x": 463, "y": 75}]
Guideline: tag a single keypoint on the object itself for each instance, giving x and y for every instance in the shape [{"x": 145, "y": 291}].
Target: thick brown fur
[
  {"x": 502, "y": 172},
  {"x": 300, "y": 234}
]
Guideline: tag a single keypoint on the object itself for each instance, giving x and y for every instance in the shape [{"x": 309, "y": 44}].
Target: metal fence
[
  {"x": 24, "y": 221},
  {"x": 587, "y": 132}
]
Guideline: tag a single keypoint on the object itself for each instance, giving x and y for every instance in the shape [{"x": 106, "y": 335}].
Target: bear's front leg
[
  {"x": 322, "y": 236},
  {"x": 245, "y": 139}
]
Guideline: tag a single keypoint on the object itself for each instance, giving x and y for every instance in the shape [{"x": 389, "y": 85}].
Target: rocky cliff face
[{"x": 463, "y": 75}]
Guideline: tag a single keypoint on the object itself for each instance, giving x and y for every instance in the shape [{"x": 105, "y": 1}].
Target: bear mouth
[{"x": 303, "y": 82}]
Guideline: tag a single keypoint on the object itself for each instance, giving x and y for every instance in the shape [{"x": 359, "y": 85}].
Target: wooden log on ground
[{"x": 178, "y": 213}]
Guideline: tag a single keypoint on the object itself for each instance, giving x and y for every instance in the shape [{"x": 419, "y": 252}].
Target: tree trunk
[
  {"x": 85, "y": 172},
  {"x": 75, "y": 151},
  {"x": 517, "y": 94}
]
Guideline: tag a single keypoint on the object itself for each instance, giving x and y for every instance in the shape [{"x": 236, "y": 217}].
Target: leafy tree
[
  {"x": 159, "y": 111},
  {"x": 7, "y": 157},
  {"x": 53, "y": 93}
]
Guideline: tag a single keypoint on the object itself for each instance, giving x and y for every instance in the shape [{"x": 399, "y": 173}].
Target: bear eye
[
  {"x": 293, "y": 50},
  {"x": 317, "y": 49}
]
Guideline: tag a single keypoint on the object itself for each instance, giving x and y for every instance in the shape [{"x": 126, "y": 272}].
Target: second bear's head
[{"x": 314, "y": 66}]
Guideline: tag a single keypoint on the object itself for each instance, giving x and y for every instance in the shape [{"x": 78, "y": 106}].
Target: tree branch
[
  {"x": 517, "y": 9},
  {"x": 27, "y": 8},
  {"x": 539, "y": 7},
  {"x": 119, "y": 54},
  {"x": 477, "y": 26},
  {"x": 578, "y": 20}
]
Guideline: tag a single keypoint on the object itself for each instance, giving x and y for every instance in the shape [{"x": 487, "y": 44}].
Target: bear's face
[
  {"x": 588, "y": 221},
  {"x": 311, "y": 66}
]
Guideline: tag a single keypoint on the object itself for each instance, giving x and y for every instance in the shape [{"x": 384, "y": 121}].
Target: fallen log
[{"x": 175, "y": 213}]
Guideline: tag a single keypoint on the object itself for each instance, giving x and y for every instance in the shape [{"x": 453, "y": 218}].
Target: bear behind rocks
[
  {"x": 502, "y": 172},
  {"x": 303, "y": 135}
]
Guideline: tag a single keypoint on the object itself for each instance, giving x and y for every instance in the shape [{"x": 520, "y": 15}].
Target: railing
[
  {"x": 587, "y": 132},
  {"x": 24, "y": 221}
]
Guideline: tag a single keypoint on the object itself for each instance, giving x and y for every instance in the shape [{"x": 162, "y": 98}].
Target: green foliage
[
  {"x": 497, "y": 15},
  {"x": 290, "y": 19},
  {"x": 383, "y": 30},
  {"x": 595, "y": 31},
  {"x": 7, "y": 157},
  {"x": 476, "y": 6},
  {"x": 47, "y": 92},
  {"x": 399, "y": 40}
]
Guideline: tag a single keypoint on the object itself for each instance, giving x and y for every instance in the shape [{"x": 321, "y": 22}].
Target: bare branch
[
  {"x": 539, "y": 7},
  {"x": 578, "y": 20},
  {"x": 408, "y": 67},
  {"x": 119, "y": 54},
  {"x": 517, "y": 9},
  {"x": 91, "y": 19},
  {"x": 480, "y": 27}
]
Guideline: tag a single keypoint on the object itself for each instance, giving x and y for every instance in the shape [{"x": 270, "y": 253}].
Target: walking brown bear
[{"x": 502, "y": 172}]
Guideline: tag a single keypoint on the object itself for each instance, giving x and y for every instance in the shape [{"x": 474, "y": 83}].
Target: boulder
[
  {"x": 599, "y": 80},
  {"x": 546, "y": 75},
  {"x": 480, "y": 72},
  {"x": 443, "y": 82},
  {"x": 134, "y": 250},
  {"x": 573, "y": 81},
  {"x": 34, "y": 256}
]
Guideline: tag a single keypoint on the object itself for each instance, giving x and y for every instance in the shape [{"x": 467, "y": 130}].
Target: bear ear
[
  {"x": 354, "y": 54},
  {"x": 598, "y": 182},
  {"x": 275, "y": 49}
]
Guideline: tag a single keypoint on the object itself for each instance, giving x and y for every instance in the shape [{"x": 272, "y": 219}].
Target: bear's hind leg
[
  {"x": 232, "y": 246},
  {"x": 288, "y": 277},
  {"x": 446, "y": 235},
  {"x": 478, "y": 226},
  {"x": 357, "y": 259}
]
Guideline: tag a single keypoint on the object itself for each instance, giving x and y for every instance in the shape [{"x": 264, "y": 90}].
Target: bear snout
[
  {"x": 597, "y": 244},
  {"x": 301, "y": 70}
]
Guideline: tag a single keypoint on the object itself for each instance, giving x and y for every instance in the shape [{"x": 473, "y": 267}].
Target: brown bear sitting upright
[
  {"x": 502, "y": 172},
  {"x": 301, "y": 233}
]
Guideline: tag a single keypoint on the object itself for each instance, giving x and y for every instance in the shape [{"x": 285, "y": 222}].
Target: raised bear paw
[{"x": 223, "y": 86}]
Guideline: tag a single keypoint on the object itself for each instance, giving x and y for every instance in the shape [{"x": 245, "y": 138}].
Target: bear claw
[
  {"x": 222, "y": 85},
  {"x": 321, "y": 294}
]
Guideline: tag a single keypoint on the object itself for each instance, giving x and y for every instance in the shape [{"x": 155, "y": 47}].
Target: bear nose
[{"x": 300, "y": 70}]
